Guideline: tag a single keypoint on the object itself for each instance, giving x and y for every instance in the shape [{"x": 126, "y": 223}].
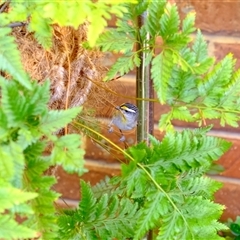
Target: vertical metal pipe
[{"x": 144, "y": 88}]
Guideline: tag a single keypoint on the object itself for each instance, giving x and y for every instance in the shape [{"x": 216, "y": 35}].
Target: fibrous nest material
[{"x": 72, "y": 70}]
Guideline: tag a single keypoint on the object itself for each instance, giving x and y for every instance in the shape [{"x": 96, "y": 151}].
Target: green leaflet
[
  {"x": 123, "y": 65},
  {"x": 156, "y": 9},
  {"x": 10, "y": 196},
  {"x": 161, "y": 72},
  {"x": 22, "y": 107},
  {"x": 169, "y": 21},
  {"x": 10, "y": 229},
  {"x": 12, "y": 164},
  {"x": 68, "y": 153},
  {"x": 10, "y": 58},
  {"x": 55, "y": 120},
  {"x": 150, "y": 213},
  {"x": 116, "y": 40}
]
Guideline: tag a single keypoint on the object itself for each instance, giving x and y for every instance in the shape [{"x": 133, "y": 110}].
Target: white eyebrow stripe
[{"x": 129, "y": 110}]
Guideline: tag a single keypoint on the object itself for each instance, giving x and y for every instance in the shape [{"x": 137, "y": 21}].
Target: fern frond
[
  {"x": 169, "y": 21},
  {"x": 87, "y": 203},
  {"x": 161, "y": 72},
  {"x": 22, "y": 107},
  {"x": 213, "y": 85},
  {"x": 105, "y": 186},
  {"x": 182, "y": 113},
  {"x": 176, "y": 150},
  {"x": 116, "y": 41},
  {"x": 155, "y": 9},
  {"x": 200, "y": 47},
  {"x": 188, "y": 23},
  {"x": 173, "y": 169},
  {"x": 10, "y": 197},
  {"x": 199, "y": 186},
  {"x": 10, "y": 60},
  {"x": 67, "y": 152},
  {"x": 10, "y": 229},
  {"x": 12, "y": 165},
  {"x": 123, "y": 65},
  {"x": 105, "y": 217},
  {"x": 57, "y": 119},
  {"x": 155, "y": 207},
  {"x": 229, "y": 100}
]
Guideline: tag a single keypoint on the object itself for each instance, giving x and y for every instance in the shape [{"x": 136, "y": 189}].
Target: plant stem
[{"x": 144, "y": 88}]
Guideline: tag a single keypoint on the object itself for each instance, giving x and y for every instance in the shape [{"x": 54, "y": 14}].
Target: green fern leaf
[
  {"x": 10, "y": 229},
  {"x": 172, "y": 227},
  {"x": 10, "y": 60},
  {"x": 186, "y": 150},
  {"x": 122, "y": 65},
  {"x": 155, "y": 10},
  {"x": 161, "y": 72},
  {"x": 68, "y": 153},
  {"x": 55, "y": 120},
  {"x": 165, "y": 122},
  {"x": 41, "y": 28},
  {"x": 155, "y": 207},
  {"x": 105, "y": 186},
  {"x": 22, "y": 107},
  {"x": 201, "y": 186},
  {"x": 116, "y": 41},
  {"x": 183, "y": 87},
  {"x": 228, "y": 100},
  {"x": 10, "y": 196},
  {"x": 103, "y": 218},
  {"x": 182, "y": 113},
  {"x": 12, "y": 165},
  {"x": 213, "y": 84},
  {"x": 200, "y": 47},
  {"x": 229, "y": 118},
  {"x": 135, "y": 181},
  {"x": 188, "y": 23},
  {"x": 169, "y": 21},
  {"x": 88, "y": 202}
]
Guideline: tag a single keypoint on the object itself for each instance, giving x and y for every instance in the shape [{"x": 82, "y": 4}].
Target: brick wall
[{"x": 220, "y": 24}]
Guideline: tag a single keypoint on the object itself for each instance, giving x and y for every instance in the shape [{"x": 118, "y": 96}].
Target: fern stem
[
  {"x": 122, "y": 95},
  {"x": 107, "y": 140},
  {"x": 206, "y": 107}
]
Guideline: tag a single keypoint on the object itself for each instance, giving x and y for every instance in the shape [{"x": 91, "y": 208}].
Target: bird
[{"x": 125, "y": 118}]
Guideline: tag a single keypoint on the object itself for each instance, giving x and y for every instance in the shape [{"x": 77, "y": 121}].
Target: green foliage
[
  {"x": 67, "y": 13},
  {"x": 162, "y": 188},
  {"x": 104, "y": 217},
  {"x": 25, "y": 127},
  {"x": 10, "y": 57},
  {"x": 169, "y": 176},
  {"x": 184, "y": 76}
]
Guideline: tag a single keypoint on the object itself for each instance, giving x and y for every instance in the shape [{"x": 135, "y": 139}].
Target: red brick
[
  {"x": 222, "y": 49},
  {"x": 69, "y": 184},
  {"x": 231, "y": 160},
  {"x": 214, "y": 16},
  {"x": 229, "y": 196}
]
